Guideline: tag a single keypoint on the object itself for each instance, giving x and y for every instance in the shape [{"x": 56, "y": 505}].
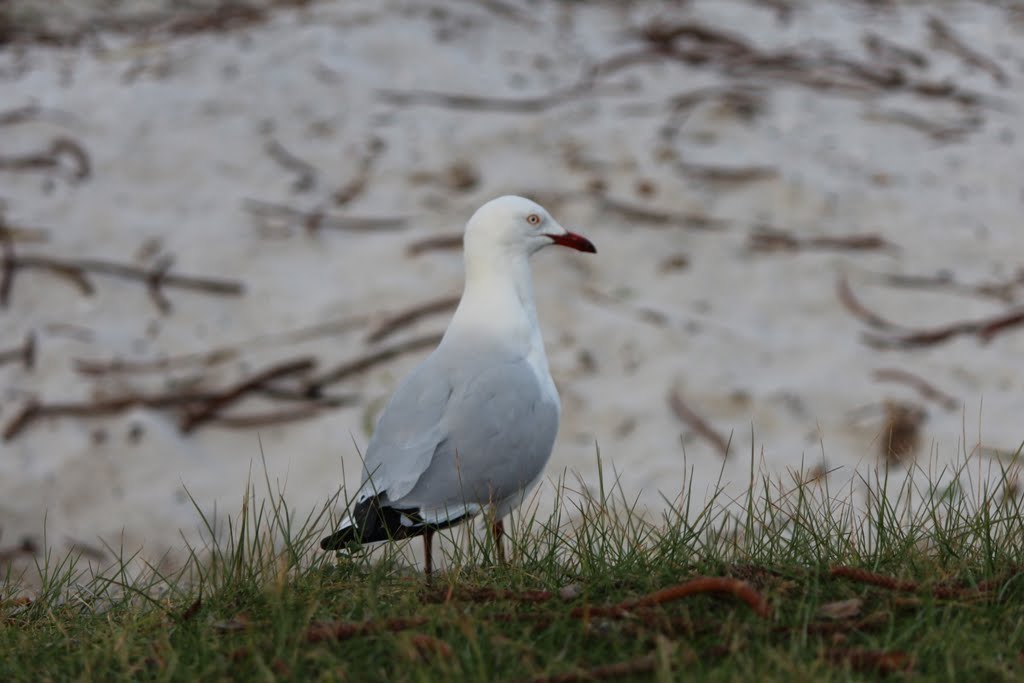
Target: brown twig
[
  {"x": 883, "y": 48},
  {"x": 859, "y": 310},
  {"x": 402, "y": 320},
  {"x": 873, "y": 579},
  {"x": 315, "y": 387},
  {"x": 525, "y": 105},
  {"x": 26, "y": 353},
  {"x": 943, "y": 38},
  {"x": 726, "y": 174},
  {"x": 771, "y": 240},
  {"x": 984, "y": 329},
  {"x": 196, "y": 417},
  {"x": 77, "y": 271},
  {"x": 643, "y": 214},
  {"x": 199, "y": 406},
  {"x": 217, "y": 355},
  {"x": 315, "y": 220},
  {"x": 707, "y": 584},
  {"x": 698, "y": 424},
  {"x": 62, "y": 149},
  {"x": 936, "y": 130},
  {"x": 923, "y": 387},
  {"x": 305, "y": 172},
  {"x": 435, "y": 243},
  {"x": 358, "y": 184}
]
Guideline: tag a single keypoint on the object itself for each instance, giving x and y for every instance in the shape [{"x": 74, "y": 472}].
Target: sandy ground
[{"x": 882, "y": 143}]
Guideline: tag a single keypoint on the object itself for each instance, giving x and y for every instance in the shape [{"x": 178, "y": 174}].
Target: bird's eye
[{"x": 533, "y": 219}]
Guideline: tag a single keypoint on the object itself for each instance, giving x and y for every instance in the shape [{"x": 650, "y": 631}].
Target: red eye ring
[{"x": 533, "y": 219}]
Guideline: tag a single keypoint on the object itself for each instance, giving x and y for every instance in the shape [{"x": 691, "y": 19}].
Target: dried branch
[
  {"x": 26, "y": 353},
  {"x": 943, "y": 38},
  {"x": 199, "y": 406},
  {"x": 936, "y": 130},
  {"x": 859, "y": 310},
  {"x": 698, "y": 424},
  {"x": 402, "y": 320},
  {"x": 63, "y": 154},
  {"x": 197, "y": 416},
  {"x": 521, "y": 105},
  {"x": 357, "y": 185},
  {"x": 726, "y": 174},
  {"x": 1005, "y": 291},
  {"x": 921, "y": 385},
  {"x": 76, "y": 271},
  {"x": 315, "y": 220},
  {"x": 435, "y": 243},
  {"x": 217, "y": 355},
  {"x": 306, "y": 173},
  {"x": 766, "y": 239},
  {"x": 643, "y": 214},
  {"x": 984, "y": 329},
  {"x": 885, "y": 49},
  {"x": 707, "y": 584},
  {"x": 873, "y": 579},
  {"x": 315, "y": 387}
]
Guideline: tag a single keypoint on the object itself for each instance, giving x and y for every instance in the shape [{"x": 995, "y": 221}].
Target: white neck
[{"x": 498, "y": 301}]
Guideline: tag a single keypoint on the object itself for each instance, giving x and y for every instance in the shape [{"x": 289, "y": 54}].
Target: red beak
[{"x": 574, "y": 241}]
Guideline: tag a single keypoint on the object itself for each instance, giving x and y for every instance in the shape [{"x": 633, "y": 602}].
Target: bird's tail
[{"x": 372, "y": 520}]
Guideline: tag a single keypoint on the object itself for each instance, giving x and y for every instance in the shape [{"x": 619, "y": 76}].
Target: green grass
[{"x": 262, "y": 603}]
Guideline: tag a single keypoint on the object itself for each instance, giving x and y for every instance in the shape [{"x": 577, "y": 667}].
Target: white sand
[{"x": 756, "y": 343}]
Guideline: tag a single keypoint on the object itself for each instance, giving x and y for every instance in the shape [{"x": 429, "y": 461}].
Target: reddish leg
[
  {"x": 428, "y": 547},
  {"x": 498, "y": 530}
]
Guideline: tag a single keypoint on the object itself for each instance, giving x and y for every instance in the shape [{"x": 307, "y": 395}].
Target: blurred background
[{"x": 229, "y": 229}]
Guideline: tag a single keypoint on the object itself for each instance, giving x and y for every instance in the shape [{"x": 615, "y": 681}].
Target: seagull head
[{"x": 518, "y": 224}]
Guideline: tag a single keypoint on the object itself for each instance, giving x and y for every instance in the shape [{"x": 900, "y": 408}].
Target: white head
[{"x": 515, "y": 224}]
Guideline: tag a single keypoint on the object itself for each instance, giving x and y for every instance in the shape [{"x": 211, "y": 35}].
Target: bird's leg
[
  {"x": 428, "y": 546},
  {"x": 498, "y": 531}
]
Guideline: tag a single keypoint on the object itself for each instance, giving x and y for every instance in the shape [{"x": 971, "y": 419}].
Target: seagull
[{"x": 471, "y": 428}]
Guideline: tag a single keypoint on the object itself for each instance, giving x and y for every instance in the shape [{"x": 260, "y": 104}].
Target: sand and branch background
[{"x": 229, "y": 229}]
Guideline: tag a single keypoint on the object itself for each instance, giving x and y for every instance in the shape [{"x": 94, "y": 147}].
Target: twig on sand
[
  {"x": 26, "y": 353},
  {"x": 482, "y": 103},
  {"x": 766, "y": 239},
  {"x": 852, "y": 304},
  {"x": 698, "y": 424},
  {"x": 358, "y": 184},
  {"x": 984, "y": 329},
  {"x": 436, "y": 243},
  {"x": 218, "y": 355},
  {"x": 305, "y": 172},
  {"x": 198, "y": 407},
  {"x": 64, "y": 153},
  {"x": 402, "y": 320},
  {"x": 943, "y": 38},
  {"x": 923, "y": 387},
  {"x": 316, "y": 219},
  {"x": 314, "y": 388},
  {"x": 77, "y": 272},
  {"x": 211, "y": 408},
  {"x": 645, "y": 214}
]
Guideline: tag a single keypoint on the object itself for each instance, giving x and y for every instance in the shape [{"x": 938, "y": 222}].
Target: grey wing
[
  {"x": 407, "y": 433},
  {"x": 500, "y": 427}
]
